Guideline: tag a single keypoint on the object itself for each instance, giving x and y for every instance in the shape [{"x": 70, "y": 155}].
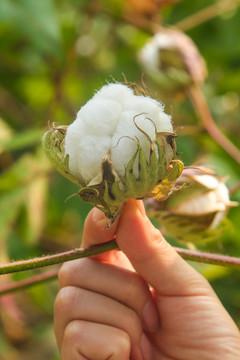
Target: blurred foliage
[{"x": 54, "y": 54}]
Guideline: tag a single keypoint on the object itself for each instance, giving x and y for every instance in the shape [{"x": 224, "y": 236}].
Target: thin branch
[
  {"x": 56, "y": 258},
  {"x": 197, "y": 256},
  {"x": 207, "y": 13},
  {"x": 24, "y": 284},
  {"x": 207, "y": 258},
  {"x": 201, "y": 106},
  {"x": 213, "y": 259}
]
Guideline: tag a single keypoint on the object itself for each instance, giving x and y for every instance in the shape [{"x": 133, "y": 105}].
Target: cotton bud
[
  {"x": 195, "y": 208},
  {"x": 172, "y": 60},
  {"x": 120, "y": 146}
]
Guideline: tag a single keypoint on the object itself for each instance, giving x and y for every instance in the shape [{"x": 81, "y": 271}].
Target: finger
[
  {"x": 85, "y": 340},
  {"x": 77, "y": 304},
  {"x": 96, "y": 231},
  {"x": 110, "y": 280},
  {"x": 153, "y": 258}
]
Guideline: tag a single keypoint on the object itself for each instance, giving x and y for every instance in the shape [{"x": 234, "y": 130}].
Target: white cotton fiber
[
  {"x": 113, "y": 122},
  {"x": 117, "y": 92},
  {"x": 100, "y": 116},
  {"x": 124, "y": 146}
]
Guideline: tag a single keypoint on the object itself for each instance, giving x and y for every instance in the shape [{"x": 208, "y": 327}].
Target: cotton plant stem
[
  {"x": 200, "y": 104},
  {"x": 207, "y": 13},
  {"x": 213, "y": 259},
  {"x": 57, "y": 258},
  {"x": 26, "y": 283},
  {"x": 207, "y": 258}
]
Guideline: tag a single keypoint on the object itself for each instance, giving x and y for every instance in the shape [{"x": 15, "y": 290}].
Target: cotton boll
[
  {"x": 116, "y": 121},
  {"x": 143, "y": 104},
  {"x": 126, "y": 137},
  {"x": 89, "y": 154},
  {"x": 149, "y": 56},
  {"x": 209, "y": 181},
  {"x": 222, "y": 194},
  {"x": 117, "y": 92},
  {"x": 152, "y": 110},
  {"x": 100, "y": 116},
  {"x": 164, "y": 122},
  {"x": 74, "y": 133}
]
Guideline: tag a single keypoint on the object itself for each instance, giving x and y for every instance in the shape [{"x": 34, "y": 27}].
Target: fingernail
[
  {"x": 102, "y": 222},
  {"x": 150, "y": 317},
  {"x": 146, "y": 347}
]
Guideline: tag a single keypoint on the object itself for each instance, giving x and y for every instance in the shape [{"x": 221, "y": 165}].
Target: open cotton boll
[
  {"x": 100, "y": 116},
  {"x": 74, "y": 132},
  {"x": 153, "y": 110},
  {"x": 120, "y": 147},
  {"x": 118, "y": 92},
  {"x": 124, "y": 140},
  {"x": 113, "y": 122},
  {"x": 85, "y": 160}
]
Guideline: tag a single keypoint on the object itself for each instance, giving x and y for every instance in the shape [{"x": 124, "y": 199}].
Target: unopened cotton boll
[
  {"x": 195, "y": 210},
  {"x": 172, "y": 60},
  {"x": 120, "y": 146}
]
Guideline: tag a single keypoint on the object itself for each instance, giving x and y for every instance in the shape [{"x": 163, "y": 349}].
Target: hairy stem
[
  {"x": 208, "y": 258},
  {"x": 213, "y": 259},
  {"x": 200, "y": 104},
  {"x": 57, "y": 258}
]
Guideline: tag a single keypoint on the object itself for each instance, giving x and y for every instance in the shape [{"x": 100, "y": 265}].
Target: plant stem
[
  {"x": 207, "y": 13},
  {"x": 214, "y": 259},
  {"x": 57, "y": 258},
  {"x": 24, "y": 284},
  {"x": 200, "y": 104},
  {"x": 207, "y": 258}
]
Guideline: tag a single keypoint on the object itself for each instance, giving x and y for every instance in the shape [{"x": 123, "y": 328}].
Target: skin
[{"x": 105, "y": 310}]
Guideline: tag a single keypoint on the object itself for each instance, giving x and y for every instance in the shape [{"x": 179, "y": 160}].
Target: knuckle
[
  {"x": 121, "y": 347},
  {"x": 65, "y": 274},
  {"x": 69, "y": 270},
  {"x": 136, "y": 289},
  {"x": 74, "y": 330},
  {"x": 65, "y": 300}
]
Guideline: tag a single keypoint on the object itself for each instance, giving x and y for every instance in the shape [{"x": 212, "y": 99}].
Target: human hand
[{"x": 106, "y": 310}]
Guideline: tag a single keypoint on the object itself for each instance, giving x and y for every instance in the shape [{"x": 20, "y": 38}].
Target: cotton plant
[
  {"x": 120, "y": 146},
  {"x": 195, "y": 211}
]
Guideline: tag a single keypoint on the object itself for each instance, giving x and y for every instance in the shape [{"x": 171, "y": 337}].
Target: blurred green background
[{"x": 54, "y": 55}]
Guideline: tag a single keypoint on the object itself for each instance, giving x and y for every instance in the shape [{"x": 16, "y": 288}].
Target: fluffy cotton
[{"x": 107, "y": 125}]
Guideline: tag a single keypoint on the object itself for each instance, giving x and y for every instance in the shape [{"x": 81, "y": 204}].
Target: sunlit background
[{"x": 54, "y": 55}]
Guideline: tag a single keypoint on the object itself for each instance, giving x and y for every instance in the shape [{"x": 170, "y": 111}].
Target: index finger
[{"x": 96, "y": 231}]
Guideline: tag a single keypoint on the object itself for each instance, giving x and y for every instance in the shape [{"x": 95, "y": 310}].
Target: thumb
[{"x": 153, "y": 258}]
